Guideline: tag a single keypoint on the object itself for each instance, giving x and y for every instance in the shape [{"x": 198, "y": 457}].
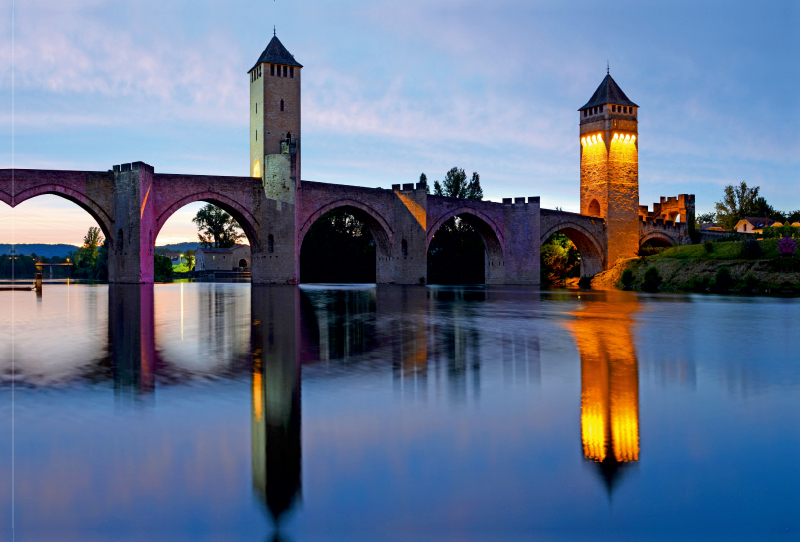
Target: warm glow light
[
  {"x": 258, "y": 404},
  {"x": 583, "y": 141},
  {"x": 600, "y": 138},
  {"x": 627, "y": 137},
  {"x": 415, "y": 208},
  {"x": 256, "y": 169},
  {"x": 633, "y": 138}
]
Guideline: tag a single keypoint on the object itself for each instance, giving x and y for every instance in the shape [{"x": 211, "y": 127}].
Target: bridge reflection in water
[
  {"x": 609, "y": 381},
  {"x": 290, "y": 327}
]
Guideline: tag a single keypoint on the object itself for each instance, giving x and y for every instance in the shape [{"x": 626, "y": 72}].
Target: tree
[
  {"x": 737, "y": 203},
  {"x": 762, "y": 208},
  {"x": 338, "y": 247},
  {"x": 560, "y": 259},
  {"x": 190, "y": 259},
  {"x": 162, "y": 268},
  {"x": 84, "y": 260},
  {"x": 455, "y": 185},
  {"x": 91, "y": 241},
  {"x": 707, "y": 218},
  {"x": 216, "y": 228},
  {"x": 423, "y": 179},
  {"x": 474, "y": 190}
]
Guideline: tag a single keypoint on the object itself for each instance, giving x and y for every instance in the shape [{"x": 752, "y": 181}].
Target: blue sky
[{"x": 392, "y": 89}]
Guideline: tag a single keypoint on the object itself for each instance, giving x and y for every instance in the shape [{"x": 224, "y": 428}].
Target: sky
[{"x": 394, "y": 89}]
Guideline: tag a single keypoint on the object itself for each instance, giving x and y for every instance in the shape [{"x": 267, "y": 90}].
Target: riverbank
[{"x": 695, "y": 268}]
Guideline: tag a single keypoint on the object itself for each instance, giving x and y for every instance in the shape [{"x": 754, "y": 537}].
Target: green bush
[
  {"x": 627, "y": 279},
  {"x": 699, "y": 284},
  {"x": 751, "y": 282},
  {"x": 751, "y": 249},
  {"x": 162, "y": 268},
  {"x": 652, "y": 280},
  {"x": 723, "y": 280},
  {"x": 709, "y": 246}
]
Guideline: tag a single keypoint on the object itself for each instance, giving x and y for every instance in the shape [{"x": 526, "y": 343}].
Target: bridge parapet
[
  {"x": 587, "y": 233},
  {"x": 667, "y": 231}
]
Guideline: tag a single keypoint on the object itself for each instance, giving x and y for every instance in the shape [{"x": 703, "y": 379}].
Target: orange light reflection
[{"x": 609, "y": 377}]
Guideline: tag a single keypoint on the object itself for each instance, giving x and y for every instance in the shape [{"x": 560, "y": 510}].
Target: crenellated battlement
[
  {"x": 670, "y": 208},
  {"x": 520, "y": 201}
]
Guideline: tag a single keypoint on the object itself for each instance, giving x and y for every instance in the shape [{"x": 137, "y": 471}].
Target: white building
[{"x": 222, "y": 259}]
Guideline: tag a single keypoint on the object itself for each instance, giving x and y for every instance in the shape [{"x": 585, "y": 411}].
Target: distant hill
[
  {"x": 177, "y": 247},
  {"x": 62, "y": 251},
  {"x": 40, "y": 249}
]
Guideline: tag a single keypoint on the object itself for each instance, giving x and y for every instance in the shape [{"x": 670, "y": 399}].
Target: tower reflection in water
[
  {"x": 277, "y": 452},
  {"x": 609, "y": 381}
]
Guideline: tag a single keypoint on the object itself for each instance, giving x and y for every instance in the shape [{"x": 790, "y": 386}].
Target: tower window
[
  {"x": 256, "y": 107},
  {"x": 601, "y": 108},
  {"x": 281, "y": 105},
  {"x": 404, "y": 248},
  {"x": 256, "y": 135},
  {"x": 613, "y": 108},
  {"x": 291, "y": 72},
  {"x": 626, "y": 109},
  {"x": 270, "y": 244},
  {"x": 284, "y": 71},
  {"x": 272, "y": 69}
]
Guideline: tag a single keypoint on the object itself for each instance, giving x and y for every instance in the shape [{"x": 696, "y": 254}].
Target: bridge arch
[
  {"x": 490, "y": 233},
  {"x": 94, "y": 209},
  {"x": 591, "y": 250},
  {"x": 382, "y": 233},
  {"x": 659, "y": 238},
  {"x": 245, "y": 218}
]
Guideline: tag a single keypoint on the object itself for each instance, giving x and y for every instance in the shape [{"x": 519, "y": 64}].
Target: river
[{"x": 210, "y": 411}]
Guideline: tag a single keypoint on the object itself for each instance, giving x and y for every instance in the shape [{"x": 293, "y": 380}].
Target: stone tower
[
  {"x": 610, "y": 167},
  {"x": 275, "y": 121}
]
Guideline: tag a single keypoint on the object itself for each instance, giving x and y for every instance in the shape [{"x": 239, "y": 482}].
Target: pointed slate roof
[
  {"x": 608, "y": 93},
  {"x": 276, "y": 53}
]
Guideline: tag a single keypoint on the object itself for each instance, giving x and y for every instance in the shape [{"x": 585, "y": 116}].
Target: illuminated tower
[
  {"x": 610, "y": 167},
  {"x": 275, "y": 121}
]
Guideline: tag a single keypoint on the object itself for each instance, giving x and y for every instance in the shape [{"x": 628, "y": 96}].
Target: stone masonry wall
[
  {"x": 257, "y": 131},
  {"x": 278, "y": 123},
  {"x": 278, "y": 182},
  {"x": 522, "y": 244},
  {"x": 135, "y": 225},
  {"x": 622, "y": 218}
]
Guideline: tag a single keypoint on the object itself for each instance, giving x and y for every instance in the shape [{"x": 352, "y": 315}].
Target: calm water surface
[{"x": 218, "y": 411}]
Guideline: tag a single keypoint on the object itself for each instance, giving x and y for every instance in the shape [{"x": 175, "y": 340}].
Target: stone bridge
[{"x": 131, "y": 203}]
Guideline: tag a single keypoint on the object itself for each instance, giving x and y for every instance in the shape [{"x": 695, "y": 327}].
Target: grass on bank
[
  {"x": 731, "y": 250},
  {"x": 182, "y": 268},
  {"x": 749, "y": 266}
]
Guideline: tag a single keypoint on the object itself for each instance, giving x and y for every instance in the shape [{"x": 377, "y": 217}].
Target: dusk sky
[{"x": 393, "y": 89}]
